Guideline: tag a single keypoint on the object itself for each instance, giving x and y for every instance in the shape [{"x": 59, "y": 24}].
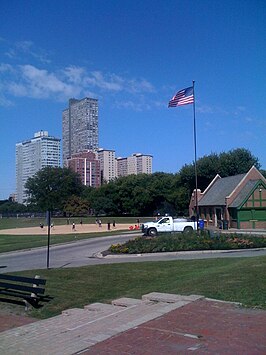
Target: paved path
[{"x": 157, "y": 324}]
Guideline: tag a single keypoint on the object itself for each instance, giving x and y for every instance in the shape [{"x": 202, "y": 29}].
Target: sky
[{"x": 133, "y": 56}]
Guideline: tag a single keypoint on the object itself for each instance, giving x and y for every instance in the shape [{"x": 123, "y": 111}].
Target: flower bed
[{"x": 180, "y": 242}]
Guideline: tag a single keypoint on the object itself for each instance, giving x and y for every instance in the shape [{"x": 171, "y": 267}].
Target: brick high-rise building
[
  {"x": 87, "y": 166},
  {"x": 80, "y": 127}
]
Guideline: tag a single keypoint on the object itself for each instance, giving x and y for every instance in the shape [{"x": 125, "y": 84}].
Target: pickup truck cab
[{"x": 168, "y": 224}]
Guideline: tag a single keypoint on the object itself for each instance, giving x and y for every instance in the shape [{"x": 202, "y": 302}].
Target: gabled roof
[
  {"x": 245, "y": 193},
  {"x": 221, "y": 189}
]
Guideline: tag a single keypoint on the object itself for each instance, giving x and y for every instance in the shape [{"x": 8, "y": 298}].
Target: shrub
[{"x": 185, "y": 242}]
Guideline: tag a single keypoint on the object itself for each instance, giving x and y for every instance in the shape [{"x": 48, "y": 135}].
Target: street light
[{"x": 48, "y": 218}]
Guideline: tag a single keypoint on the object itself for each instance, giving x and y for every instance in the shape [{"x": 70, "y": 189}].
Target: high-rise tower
[
  {"x": 31, "y": 156},
  {"x": 80, "y": 127}
]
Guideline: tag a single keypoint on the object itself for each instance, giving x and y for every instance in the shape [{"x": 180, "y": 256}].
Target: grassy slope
[{"x": 239, "y": 279}]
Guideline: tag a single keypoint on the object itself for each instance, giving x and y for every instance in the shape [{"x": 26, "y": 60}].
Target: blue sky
[{"x": 134, "y": 56}]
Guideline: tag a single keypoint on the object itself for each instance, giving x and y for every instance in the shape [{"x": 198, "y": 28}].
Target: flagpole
[{"x": 195, "y": 155}]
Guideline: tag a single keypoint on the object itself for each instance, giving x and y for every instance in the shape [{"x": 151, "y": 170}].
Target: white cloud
[
  {"x": 133, "y": 105},
  {"x": 204, "y": 109},
  {"x": 40, "y": 83},
  {"x": 109, "y": 82},
  {"x": 239, "y": 110},
  {"x": 116, "y": 83},
  {"x": 74, "y": 74},
  {"x": 5, "y": 102},
  {"x": 72, "y": 81},
  {"x": 139, "y": 86},
  {"x": 27, "y": 49},
  {"x": 32, "y": 80},
  {"x": 5, "y": 68},
  {"x": 17, "y": 89}
]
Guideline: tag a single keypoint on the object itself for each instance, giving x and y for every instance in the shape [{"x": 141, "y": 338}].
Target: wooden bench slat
[
  {"x": 13, "y": 286},
  {"x": 32, "y": 280},
  {"x": 18, "y": 294},
  {"x": 9, "y": 286}
]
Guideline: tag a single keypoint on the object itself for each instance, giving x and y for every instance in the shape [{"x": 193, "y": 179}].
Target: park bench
[{"x": 30, "y": 290}]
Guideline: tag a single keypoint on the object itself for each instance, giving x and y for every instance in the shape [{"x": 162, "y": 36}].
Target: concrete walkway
[{"x": 156, "y": 324}]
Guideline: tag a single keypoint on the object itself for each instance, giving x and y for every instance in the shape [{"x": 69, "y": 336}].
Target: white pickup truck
[{"x": 168, "y": 224}]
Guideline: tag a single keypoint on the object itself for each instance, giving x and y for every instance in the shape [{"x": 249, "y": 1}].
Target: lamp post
[{"x": 48, "y": 218}]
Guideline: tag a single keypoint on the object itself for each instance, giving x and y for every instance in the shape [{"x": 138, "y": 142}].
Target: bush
[{"x": 185, "y": 242}]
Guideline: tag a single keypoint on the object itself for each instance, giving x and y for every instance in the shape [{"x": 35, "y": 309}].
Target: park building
[
  {"x": 237, "y": 202},
  {"x": 31, "y": 156},
  {"x": 87, "y": 166},
  {"x": 80, "y": 127}
]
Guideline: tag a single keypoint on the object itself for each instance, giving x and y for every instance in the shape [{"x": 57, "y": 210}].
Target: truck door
[{"x": 164, "y": 225}]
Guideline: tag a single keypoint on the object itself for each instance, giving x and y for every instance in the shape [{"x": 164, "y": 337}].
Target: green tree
[
  {"x": 263, "y": 172},
  {"x": 76, "y": 206},
  {"x": 51, "y": 187},
  {"x": 144, "y": 195},
  {"x": 8, "y": 207},
  {"x": 237, "y": 161}
]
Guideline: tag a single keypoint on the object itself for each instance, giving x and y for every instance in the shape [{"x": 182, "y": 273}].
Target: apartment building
[
  {"x": 87, "y": 166},
  {"x": 138, "y": 163},
  {"x": 31, "y": 156},
  {"x": 80, "y": 127},
  {"x": 107, "y": 164}
]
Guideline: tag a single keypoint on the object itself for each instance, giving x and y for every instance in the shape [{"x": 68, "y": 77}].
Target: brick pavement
[
  {"x": 157, "y": 324},
  {"x": 203, "y": 327},
  {"x": 9, "y": 321}
]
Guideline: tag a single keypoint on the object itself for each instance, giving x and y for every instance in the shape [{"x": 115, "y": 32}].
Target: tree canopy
[
  {"x": 234, "y": 162},
  {"x": 51, "y": 187}
]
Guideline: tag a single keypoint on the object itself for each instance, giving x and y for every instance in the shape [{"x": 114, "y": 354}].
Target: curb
[{"x": 193, "y": 252}]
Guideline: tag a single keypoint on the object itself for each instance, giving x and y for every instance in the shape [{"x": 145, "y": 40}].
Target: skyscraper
[
  {"x": 31, "y": 156},
  {"x": 80, "y": 127}
]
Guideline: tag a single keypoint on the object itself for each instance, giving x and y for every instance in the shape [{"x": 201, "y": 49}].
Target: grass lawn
[
  {"x": 20, "y": 242},
  {"x": 237, "y": 279}
]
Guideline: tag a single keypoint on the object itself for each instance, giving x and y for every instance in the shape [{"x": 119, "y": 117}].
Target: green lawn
[
  {"x": 237, "y": 279},
  {"x": 20, "y": 242}
]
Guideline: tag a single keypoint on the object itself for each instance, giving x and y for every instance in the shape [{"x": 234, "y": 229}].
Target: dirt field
[{"x": 65, "y": 229}]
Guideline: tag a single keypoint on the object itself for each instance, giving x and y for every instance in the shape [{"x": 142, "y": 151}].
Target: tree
[
  {"x": 76, "y": 206},
  {"x": 10, "y": 207},
  {"x": 263, "y": 172},
  {"x": 51, "y": 187},
  {"x": 237, "y": 161}
]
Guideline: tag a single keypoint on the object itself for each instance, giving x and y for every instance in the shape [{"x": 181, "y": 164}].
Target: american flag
[{"x": 183, "y": 97}]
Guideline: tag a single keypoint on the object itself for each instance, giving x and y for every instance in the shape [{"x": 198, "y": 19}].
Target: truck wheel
[
  {"x": 152, "y": 232},
  {"x": 188, "y": 229}
]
